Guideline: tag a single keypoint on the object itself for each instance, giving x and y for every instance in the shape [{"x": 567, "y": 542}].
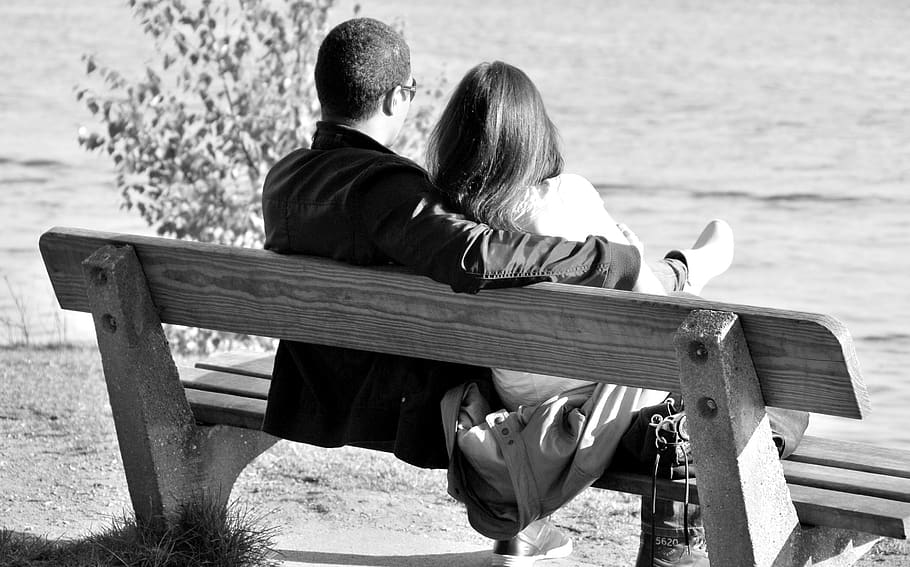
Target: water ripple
[
  {"x": 885, "y": 338},
  {"x": 24, "y": 180},
  {"x": 795, "y": 198},
  {"x": 40, "y": 162}
]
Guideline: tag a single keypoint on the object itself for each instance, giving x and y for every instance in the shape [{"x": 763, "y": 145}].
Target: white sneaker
[
  {"x": 709, "y": 257},
  {"x": 539, "y": 540}
]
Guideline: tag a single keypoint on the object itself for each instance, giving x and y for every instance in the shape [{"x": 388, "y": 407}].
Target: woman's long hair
[{"x": 493, "y": 141}]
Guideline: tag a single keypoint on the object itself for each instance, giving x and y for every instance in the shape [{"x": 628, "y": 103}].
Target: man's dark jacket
[{"x": 354, "y": 200}]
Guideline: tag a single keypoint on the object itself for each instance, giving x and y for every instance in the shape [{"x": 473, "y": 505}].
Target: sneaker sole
[{"x": 563, "y": 550}]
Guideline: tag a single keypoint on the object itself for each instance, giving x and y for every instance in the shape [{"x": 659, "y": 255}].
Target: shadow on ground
[{"x": 316, "y": 558}]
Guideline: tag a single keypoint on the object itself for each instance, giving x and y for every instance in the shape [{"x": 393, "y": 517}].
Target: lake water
[{"x": 790, "y": 119}]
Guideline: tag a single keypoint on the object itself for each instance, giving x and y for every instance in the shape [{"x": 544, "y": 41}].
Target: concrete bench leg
[
  {"x": 168, "y": 459},
  {"x": 746, "y": 506}
]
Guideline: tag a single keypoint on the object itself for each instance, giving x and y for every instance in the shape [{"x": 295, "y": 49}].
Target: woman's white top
[
  {"x": 567, "y": 206},
  {"x": 570, "y": 207}
]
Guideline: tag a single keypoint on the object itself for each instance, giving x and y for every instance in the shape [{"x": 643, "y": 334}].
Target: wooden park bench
[{"x": 186, "y": 431}]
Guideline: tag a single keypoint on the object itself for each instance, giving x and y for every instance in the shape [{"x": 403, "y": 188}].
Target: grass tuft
[{"x": 204, "y": 535}]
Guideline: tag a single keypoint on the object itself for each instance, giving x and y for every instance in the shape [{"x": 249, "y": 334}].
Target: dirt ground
[{"x": 61, "y": 474}]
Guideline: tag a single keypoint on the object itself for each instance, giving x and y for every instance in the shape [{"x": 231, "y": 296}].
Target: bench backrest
[{"x": 803, "y": 360}]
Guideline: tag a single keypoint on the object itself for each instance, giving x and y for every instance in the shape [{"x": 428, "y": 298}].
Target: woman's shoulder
[
  {"x": 571, "y": 187},
  {"x": 566, "y": 205},
  {"x": 572, "y": 180}
]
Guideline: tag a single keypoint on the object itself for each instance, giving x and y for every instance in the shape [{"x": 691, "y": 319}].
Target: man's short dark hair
[{"x": 359, "y": 61}]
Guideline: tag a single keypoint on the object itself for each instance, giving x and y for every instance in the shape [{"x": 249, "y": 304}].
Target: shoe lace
[{"x": 671, "y": 432}]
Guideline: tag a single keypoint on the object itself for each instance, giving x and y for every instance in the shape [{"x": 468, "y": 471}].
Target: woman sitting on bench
[{"x": 495, "y": 156}]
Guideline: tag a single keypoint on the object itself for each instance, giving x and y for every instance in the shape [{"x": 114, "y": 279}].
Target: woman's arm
[{"x": 572, "y": 208}]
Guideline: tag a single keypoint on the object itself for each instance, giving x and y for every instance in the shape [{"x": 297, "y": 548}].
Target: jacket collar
[{"x": 332, "y": 135}]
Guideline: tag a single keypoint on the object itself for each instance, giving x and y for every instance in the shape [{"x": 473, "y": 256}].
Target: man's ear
[{"x": 390, "y": 102}]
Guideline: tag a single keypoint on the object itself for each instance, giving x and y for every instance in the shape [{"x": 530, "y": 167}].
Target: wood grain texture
[
  {"x": 814, "y": 506},
  {"x": 853, "y": 456},
  {"x": 820, "y": 507},
  {"x": 804, "y": 361},
  {"x": 218, "y": 408},
  {"x": 225, "y": 382},
  {"x": 255, "y": 364},
  {"x": 846, "y": 480}
]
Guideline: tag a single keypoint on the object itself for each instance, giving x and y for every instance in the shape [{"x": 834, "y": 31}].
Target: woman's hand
[{"x": 647, "y": 282}]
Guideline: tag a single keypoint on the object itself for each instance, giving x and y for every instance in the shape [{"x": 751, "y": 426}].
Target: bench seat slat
[
  {"x": 843, "y": 480},
  {"x": 822, "y": 495},
  {"x": 257, "y": 364},
  {"x": 812, "y": 450},
  {"x": 853, "y": 456},
  {"x": 818, "y": 463},
  {"x": 226, "y": 383},
  {"x": 814, "y": 506},
  {"x": 634, "y": 483},
  {"x": 219, "y": 408},
  {"x": 817, "y": 506}
]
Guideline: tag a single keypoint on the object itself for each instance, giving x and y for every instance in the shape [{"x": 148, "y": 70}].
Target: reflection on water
[{"x": 788, "y": 119}]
